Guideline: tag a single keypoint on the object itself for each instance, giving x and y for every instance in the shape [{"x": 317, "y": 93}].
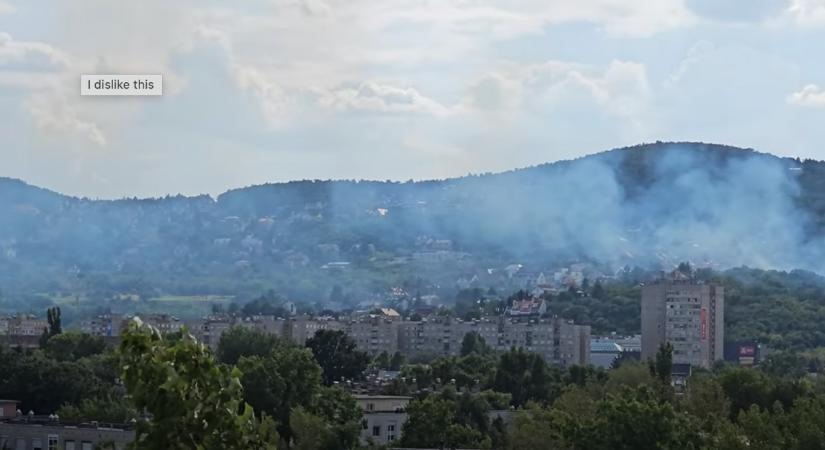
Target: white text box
[{"x": 121, "y": 85}]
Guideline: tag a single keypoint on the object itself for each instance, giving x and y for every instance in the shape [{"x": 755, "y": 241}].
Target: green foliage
[
  {"x": 44, "y": 384},
  {"x": 474, "y": 343},
  {"x": 663, "y": 364},
  {"x": 194, "y": 402},
  {"x": 267, "y": 305},
  {"x": 431, "y": 423},
  {"x": 382, "y": 361},
  {"x": 73, "y": 346},
  {"x": 397, "y": 361},
  {"x": 276, "y": 384},
  {"x": 525, "y": 376},
  {"x": 105, "y": 408},
  {"x": 55, "y": 325},
  {"x": 337, "y": 355},
  {"x": 239, "y": 341}
]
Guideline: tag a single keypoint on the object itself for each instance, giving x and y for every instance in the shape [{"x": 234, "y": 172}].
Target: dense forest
[{"x": 649, "y": 206}]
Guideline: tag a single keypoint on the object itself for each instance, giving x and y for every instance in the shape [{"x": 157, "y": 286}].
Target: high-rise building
[{"x": 687, "y": 313}]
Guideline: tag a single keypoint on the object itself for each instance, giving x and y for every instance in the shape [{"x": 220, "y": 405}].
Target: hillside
[{"x": 649, "y": 206}]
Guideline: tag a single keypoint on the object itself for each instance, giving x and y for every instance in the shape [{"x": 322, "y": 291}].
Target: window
[
  {"x": 85, "y": 445},
  {"x": 370, "y": 406},
  {"x": 376, "y": 430},
  {"x": 37, "y": 444},
  {"x": 68, "y": 445},
  {"x": 20, "y": 444},
  {"x": 391, "y": 427},
  {"x": 53, "y": 442}
]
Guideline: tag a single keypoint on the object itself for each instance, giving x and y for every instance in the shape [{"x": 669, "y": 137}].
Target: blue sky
[{"x": 276, "y": 90}]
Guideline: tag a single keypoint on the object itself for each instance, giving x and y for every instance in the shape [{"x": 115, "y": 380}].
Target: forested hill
[{"x": 649, "y": 205}]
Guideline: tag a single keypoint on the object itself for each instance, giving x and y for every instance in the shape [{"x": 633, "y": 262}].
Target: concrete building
[
  {"x": 384, "y": 417},
  {"x": 163, "y": 322},
  {"x": 103, "y": 325},
  {"x": 558, "y": 341},
  {"x": 276, "y": 326},
  {"x": 210, "y": 330},
  {"x": 48, "y": 433},
  {"x": 301, "y": 328},
  {"x": 688, "y": 314},
  {"x": 26, "y": 325},
  {"x": 374, "y": 334}
]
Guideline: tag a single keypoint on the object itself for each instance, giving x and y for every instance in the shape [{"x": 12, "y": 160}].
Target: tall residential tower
[{"x": 687, "y": 313}]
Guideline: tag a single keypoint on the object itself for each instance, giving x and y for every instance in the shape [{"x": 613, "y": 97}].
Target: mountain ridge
[
  {"x": 6, "y": 181},
  {"x": 651, "y": 205}
]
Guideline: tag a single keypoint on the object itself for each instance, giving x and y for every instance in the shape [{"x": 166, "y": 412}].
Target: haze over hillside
[{"x": 650, "y": 206}]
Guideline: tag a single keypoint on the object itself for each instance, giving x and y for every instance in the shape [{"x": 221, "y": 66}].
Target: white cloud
[
  {"x": 382, "y": 98},
  {"x": 621, "y": 88},
  {"x": 810, "y": 96},
  {"x": 52, "y": 112},
  {"x": 29, "y": 55},
  {"x": 808, "y": 12},
  {"x": 270, "y": 96}
]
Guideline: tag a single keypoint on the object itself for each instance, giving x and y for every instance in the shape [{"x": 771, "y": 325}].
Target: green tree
[
  {"x": 72, "y": 346},
  {"x": 105, "y": 408},
  {"x": 55, "y": 325},
  {"x": 745, "y": 387},
  {"x": 331, "y": 422},
  {"x": 274, "y": 385},
  {"x": 337, "y": 355},
  {"x": 636, "y": 419},
  {"x": 474, "y": 343},
  {"x": 382, "y": 361},
  {"x": 397, "y": 361},
  {"x": 662, "y": 366},
  {"x": 761, "y": 429},
  {"x": 239, "y": 341},
  {"x": 525, "y": 376},
  {"x": 431, "y": 424},
  {"x": 193, "y": 401},
  {"x": 43, "y": 384}
]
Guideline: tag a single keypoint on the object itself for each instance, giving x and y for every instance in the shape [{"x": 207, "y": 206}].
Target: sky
[{"x": 274, "y": 90}]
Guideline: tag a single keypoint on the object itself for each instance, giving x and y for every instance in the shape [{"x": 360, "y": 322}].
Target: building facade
[
  {"x": 689, "y": 315},
  {"x": 29, "y": 433},
  {"x": 383, "y": 418},
  {"x": 558, "y": 341}
]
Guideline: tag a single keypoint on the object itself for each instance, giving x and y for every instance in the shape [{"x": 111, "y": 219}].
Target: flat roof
[{"x": 380, "y": 397}]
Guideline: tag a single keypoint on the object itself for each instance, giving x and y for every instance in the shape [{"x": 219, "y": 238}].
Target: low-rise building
[
  {"x": 384, "y": 418},
  {"x": 42, "y": 433}
]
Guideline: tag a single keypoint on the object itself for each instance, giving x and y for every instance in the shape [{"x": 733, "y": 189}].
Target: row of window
[{"x": 52, "y": 443}]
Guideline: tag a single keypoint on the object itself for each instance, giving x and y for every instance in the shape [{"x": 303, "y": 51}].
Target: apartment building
[
  {"x": 24, "y": 325},
  {"x": 301, "y": 328},
  {"x": 686, "y": 313},
  {"x": 558, "y": 341},
  {"x": 374, "y": 334},
  {"x": 104, "y": 325}
]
